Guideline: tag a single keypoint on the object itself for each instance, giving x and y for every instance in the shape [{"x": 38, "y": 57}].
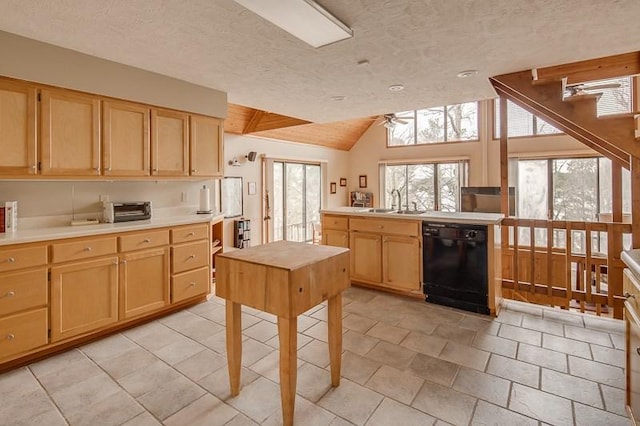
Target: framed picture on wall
[
  {"x": 363, "y": 181},
  {"x": 343, "y": 181},
  {"x": 232, "y": 196},
  {"x": 332, "y": 187}
]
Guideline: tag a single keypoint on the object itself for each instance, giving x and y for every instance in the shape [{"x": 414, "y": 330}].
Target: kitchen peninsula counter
[{"x": 431, "y": 216}]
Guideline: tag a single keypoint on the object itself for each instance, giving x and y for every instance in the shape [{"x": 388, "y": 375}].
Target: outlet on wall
[{"x": 184, "y": 197}]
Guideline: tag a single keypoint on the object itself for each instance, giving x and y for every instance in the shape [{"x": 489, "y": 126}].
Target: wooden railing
[{"x": 572, "y": 264}]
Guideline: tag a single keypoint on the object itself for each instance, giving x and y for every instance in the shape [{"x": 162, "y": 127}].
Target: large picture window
[
  {"x": 424, "y": 186},
  {"x": 450, "y": 123}
]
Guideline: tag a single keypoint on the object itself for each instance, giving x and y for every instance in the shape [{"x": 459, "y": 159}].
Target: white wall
[
  {"x": 483, "y": 155},
  {"x": 239, "y": 147},
  {"x": 39, "y": 62}
]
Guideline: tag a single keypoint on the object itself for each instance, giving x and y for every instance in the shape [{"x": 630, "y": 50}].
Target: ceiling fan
[
  {"x": 391, "y": 120},
  {"x": 584, "y": 89}
]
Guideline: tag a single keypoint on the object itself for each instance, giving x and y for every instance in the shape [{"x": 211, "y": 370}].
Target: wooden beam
[
  {"x": 504, "y": 157},
  {"x": 253, "y": 121},
  {"x": 593, "y": 69},
  {"x": 271, "y": 121}
]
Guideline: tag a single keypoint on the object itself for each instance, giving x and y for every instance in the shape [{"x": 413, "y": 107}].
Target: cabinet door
[
  {"x": 169, "y": 143},
  {"x": 206, "y": 146},
  {"x": 84, "y": 297},
  {"x": 70, "y": 126},
  {"x": 633, "y": 362},
  {"x": 144, "y": 282},
  {"x": 17, "y": 129},
  {"x": 401, "y": 262},
  {"x": 331, "y": 237},
  {"x": 125, "y": 139},
  {"x": 366, "y": 257}
]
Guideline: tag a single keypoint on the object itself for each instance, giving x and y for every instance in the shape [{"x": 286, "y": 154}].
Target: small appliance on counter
[{"x": 126, "y": 212}]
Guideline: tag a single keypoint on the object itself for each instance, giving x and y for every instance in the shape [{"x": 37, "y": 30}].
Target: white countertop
[
  {"x": 58, "y": 232},
  {"x": 448, "y": 217},
  {"x": 631, "y": 258}
]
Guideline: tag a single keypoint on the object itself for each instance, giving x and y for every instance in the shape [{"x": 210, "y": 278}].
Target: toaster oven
[{"x": 126, "y": 212}]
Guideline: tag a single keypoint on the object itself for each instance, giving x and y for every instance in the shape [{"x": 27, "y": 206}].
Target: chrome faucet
[
  {"x": 415, "y": 206},
  {"x": 396, "y": 191}
]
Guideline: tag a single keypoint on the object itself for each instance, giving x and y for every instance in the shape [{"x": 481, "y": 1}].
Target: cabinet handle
[
  {"x": 11, "y": 293},
  {"x": 11, "y": 336},
  {"x": 10, "y": 260},
  {"x": 124, "y": 262},
  {"x": 193, "y": 170},
  {"x": 192, "y": 256},
  {"x": 628, "y": 295},
  {"x": 191, "y": 234},
  {"x": 146, "y": 240},
  {"x": 193, "y": 284},
  {"x": 638, "y": 350},
  {"x": 381, "y": 227},
  {"x": 87, "y": 249}
]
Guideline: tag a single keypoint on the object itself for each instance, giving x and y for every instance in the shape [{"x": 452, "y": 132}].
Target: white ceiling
[{"x": 420, "y": 44}]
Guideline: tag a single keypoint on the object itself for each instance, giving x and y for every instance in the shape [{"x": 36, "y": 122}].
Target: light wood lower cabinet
[
  {"x": 144, "y": 282},
  {"x": 22, "y": 332},
  {"x": 189, "y": 284},
  {"x": 632, "y": 350},
  {"x": 366, "y": 257},
  {"x": 401, "y": 262},
  {"x": 332, "y": 237},
  {"x": 84, "y": 297}
]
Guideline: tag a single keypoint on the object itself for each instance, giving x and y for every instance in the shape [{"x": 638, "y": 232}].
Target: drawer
[
  {"x": 16, "y": 257},
  {"x": 23, "y": 290},
  {"x": 339, "y": 223},
  {"x": 185, "y": 234},
  {"x": 399, "y": 227},
  {"x": 631, "y": 285},
  {"x": 189, "y": 256},
  {"x": 83, "y": 249},
  {"x": 143, "y": 240},
  {"x": 190, "y": 284},
  {"x": 23, "y": 332}
]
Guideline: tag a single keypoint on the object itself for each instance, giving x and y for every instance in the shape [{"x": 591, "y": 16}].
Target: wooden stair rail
[{"x": 593, "y": 69}]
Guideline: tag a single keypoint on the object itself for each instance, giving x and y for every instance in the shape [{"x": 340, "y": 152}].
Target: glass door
[{"x": 295, "y": 194}]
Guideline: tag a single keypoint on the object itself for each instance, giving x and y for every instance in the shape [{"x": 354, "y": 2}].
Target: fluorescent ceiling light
[{"x": 304, "y": 19}]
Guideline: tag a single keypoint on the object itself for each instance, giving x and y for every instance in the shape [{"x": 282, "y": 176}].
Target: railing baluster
[
  {"x": 532, "y": 259},
  {"x": 549, "y": 258}
]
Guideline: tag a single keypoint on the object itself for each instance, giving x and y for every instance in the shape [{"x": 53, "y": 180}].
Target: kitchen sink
[
  {"x": 411, "y": 212},
  {"x": 383, "y": 211}
]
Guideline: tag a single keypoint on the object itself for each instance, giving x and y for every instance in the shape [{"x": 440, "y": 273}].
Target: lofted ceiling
[{"x": 421, "y": 44}]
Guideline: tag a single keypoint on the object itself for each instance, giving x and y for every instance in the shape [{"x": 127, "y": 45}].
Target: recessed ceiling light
[
  {"x": 467, "y": 73},
  {"x": 396, "y": 87},
  {"x": 338, "y": 98}
]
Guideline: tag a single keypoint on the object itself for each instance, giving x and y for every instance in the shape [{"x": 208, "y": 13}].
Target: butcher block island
[
  {"x": 285, "y": 279},
  {"x": 452, "y": 258}
]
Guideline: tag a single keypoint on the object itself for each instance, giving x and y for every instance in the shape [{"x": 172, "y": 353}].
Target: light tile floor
[{"x": 405, "y": 362}]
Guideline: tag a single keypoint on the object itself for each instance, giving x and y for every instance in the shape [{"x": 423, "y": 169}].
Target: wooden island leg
[
  {"x": 288, "y": 334},
  {"x": 234, "y": 345},
  {"x": 335, "y": 337}
]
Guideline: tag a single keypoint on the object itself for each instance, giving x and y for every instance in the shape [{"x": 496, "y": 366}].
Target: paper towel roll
[{"x": 205, "y": 199}]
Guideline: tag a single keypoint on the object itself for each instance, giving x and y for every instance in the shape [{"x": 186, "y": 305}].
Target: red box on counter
[{"x": 2, "y": 219}]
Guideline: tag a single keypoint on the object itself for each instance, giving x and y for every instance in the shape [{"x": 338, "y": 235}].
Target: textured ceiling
[{"x": 420, "y": 44}]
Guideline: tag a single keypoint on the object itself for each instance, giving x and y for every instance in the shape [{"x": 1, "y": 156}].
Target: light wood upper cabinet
[
  {"x": 169, "y": 143},
  {"x": 206, "y": 146},
  {"x": 125, "y": 139},
  {"x": 18, "y": 108},
  {"x": 70, "y": 139}
]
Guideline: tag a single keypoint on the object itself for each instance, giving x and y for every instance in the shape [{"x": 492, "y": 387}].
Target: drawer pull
[
  {"x": 146, "y": 240},
  {"x": 628, "y": 295},
  {"x": 193, "y": 284},
  {"x": 10, "y": 260},
  {"x": 638, "y": 350},
  {"x": 11, "y": 336},
  {"x": 124, "y": 262},
  {"x": 87, "y": 249},
  {"x": 191, "y": 234},
  {"x": 11, "y": 293},
  {"x": 191, "y": 256}
]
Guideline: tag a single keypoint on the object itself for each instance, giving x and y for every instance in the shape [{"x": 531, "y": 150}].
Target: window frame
[
  {"x": 446, "y": 120},
  {"x": 495, "y": 127}
]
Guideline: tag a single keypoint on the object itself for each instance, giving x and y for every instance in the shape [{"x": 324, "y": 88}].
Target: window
[
  {"x": 431, "y": 186},
  {"x": 452, "y": 123},
  {"x": 574, "y": 189},
  {"x": 521, "y": 122},
  {"x": 614, "y": 100}
]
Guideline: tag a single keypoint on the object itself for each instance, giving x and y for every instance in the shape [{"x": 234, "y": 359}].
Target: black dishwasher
[{"x": 454, "y": 270}]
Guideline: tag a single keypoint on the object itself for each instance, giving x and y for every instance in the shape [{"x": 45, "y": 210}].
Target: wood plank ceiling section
[{"x": 340, "y": 135}]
